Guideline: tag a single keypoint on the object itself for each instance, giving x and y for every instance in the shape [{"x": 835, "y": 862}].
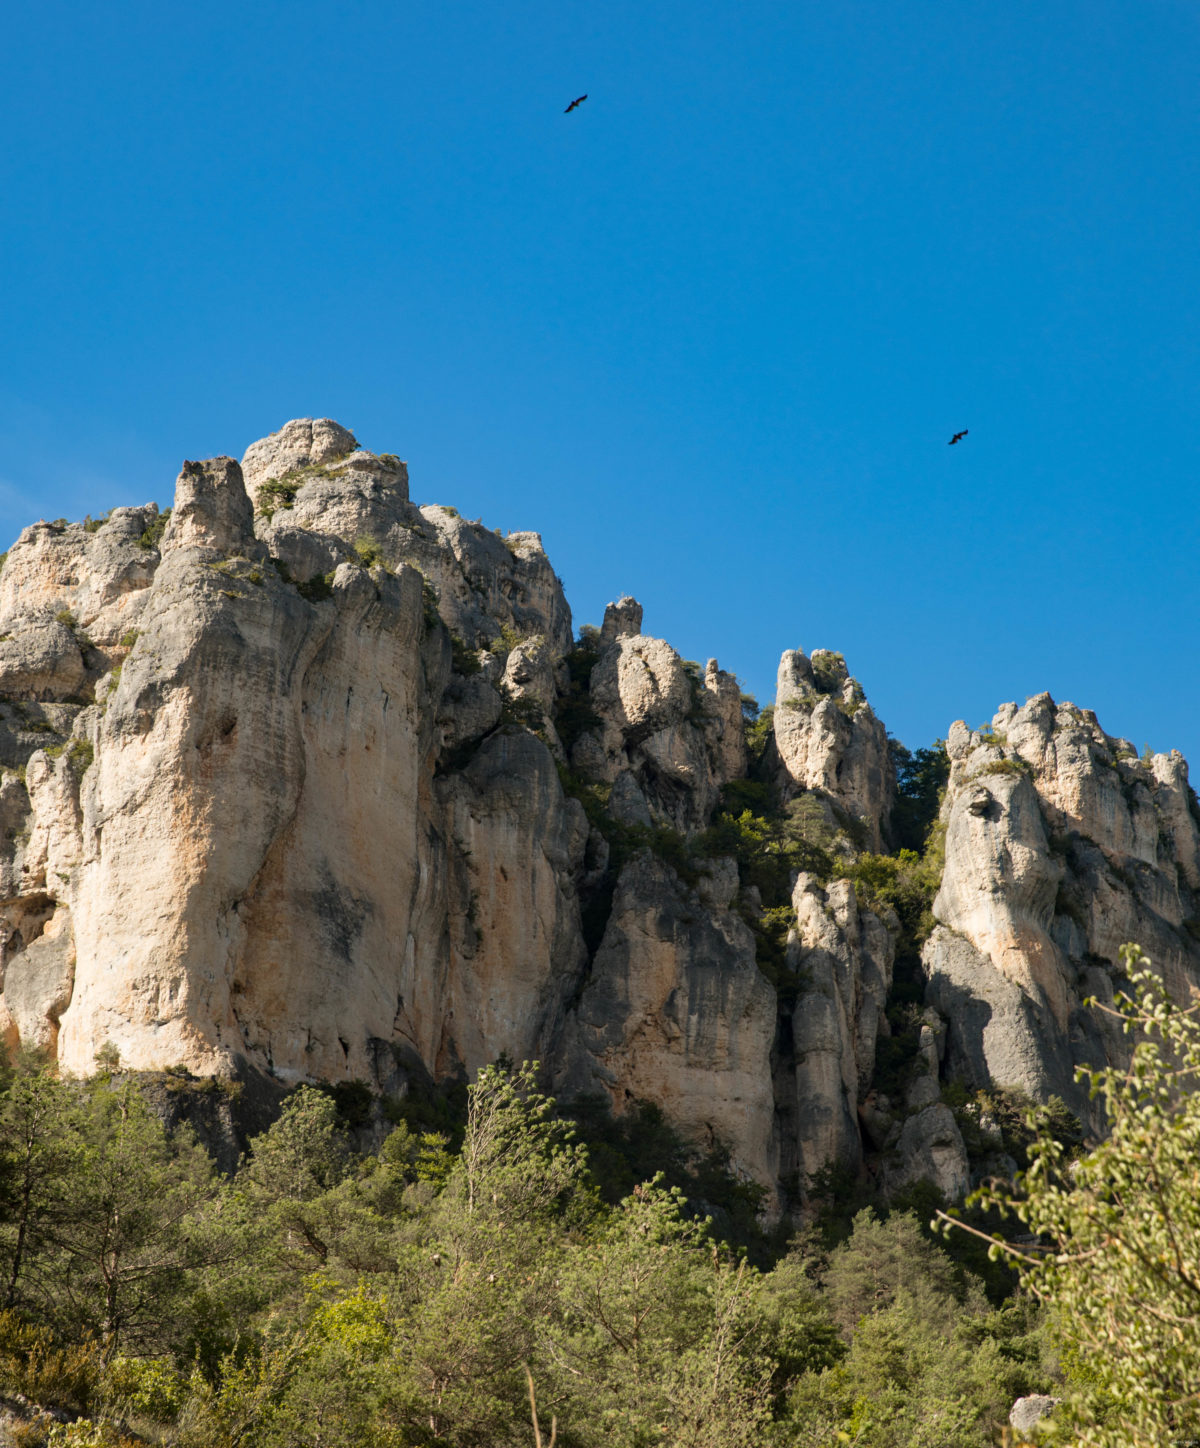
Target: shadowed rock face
[
  {"x": 676, "y": 1012},
  {"x": 287, "y": 786}
]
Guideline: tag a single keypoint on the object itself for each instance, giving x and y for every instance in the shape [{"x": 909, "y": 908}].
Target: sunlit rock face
[
  {"x": 829, "y": 739},
  {"x": 312, "y": 781},
  {"x": 1061, "y": 845}
]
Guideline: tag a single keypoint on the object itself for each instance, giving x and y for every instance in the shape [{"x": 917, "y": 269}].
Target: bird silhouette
[
  {"x": 958, "y": 436},
  {"x": 578, "y": 101}
]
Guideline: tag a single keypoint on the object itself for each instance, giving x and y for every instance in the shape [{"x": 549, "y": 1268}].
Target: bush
[
  {"x": 368, "y": 551},
  {"x": 151, "y": 535}
]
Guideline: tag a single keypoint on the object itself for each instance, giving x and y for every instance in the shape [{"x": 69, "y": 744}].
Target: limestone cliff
[
  {"x": 1061, "y": 844},
  {"x": 303, "y": 779}
]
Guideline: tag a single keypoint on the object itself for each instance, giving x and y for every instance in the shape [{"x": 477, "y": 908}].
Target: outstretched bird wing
[
  {"x": 956, "y": 437},
  {"x": 578, "y": 101}
]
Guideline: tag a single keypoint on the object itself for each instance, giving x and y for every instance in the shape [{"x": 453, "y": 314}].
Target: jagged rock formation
[
  {"x": 1061, "y": 844},
  {"x": 308, "y": 781},
  {"x": 829, "y": 739}
]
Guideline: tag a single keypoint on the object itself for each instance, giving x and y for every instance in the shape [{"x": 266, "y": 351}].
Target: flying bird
[
  {"x": 578, "y": 101},
  {"x": 958, "y": 436}
]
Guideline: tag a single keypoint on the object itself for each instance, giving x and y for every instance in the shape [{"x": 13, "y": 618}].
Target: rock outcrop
[
  {"x": 1061, "y": 844},
  {"x": 829, "y": 739},
  {"x": 676, "y": 1012},
  {"x": 303, "y": 781}
]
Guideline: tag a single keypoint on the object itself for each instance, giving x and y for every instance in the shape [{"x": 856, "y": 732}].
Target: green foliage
[
  {"x": 394, "y": 1298},
  {"x": 82, "y": 755},
  {"x": 277, "y": 493},
  {"x": 522, "y": 710},
  {"x": 130, "y": 638},
  {"x": 317, "y": 588},
  {"x": 431, "y": 613},
  {"x": 829, "y": 671},
  {"x": 1118, "y": 1234},
  {"x": 574, "y": 714},
  {"x": 1010, "y": 1113},
  {"x": 368, "y": 551},
  {"x": 760, "y": 734},
  {"x": 46, "y": 1372},
  {"x": 505, "y": 641},
  {"x": 93, "y": 525},
  {"x": 928, "y": 1365},
  {"x": 151, "y": 535},
  {"x": 921, "y": 779},
  {"x": 625, "y": 1150},
  {"x": 108, "y": 1057},
  {"x": 463, "y": 660},
  {"x": 1005, "y": 766}
]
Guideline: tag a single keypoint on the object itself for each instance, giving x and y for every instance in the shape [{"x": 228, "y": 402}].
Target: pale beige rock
[
  {"x": 304, "y": 442},
  {"x": 640, "y": 685},
  {"x": 1060, "y": 846},
  {"x": 211, "y": 510},
  {"x": 529, "y": 673},
  {"x": 622, "y": 619},
  {"x": 517, "y": 949},
  {"x": 725, "y": 695},
  {"x": 483, "y": 581},
  {"x": 97, "y": 578},
  {"x": 679, "y": 734},
  {"x": 42, "y": 661},
  {"x": 828, "y": 739}
]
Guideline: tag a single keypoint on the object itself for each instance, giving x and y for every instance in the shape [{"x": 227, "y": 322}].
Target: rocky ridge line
[{"x": 309, "y": 781}]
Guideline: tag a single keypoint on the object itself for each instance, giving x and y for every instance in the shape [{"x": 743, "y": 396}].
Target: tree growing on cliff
[{"x": 1119, "y": 1262}]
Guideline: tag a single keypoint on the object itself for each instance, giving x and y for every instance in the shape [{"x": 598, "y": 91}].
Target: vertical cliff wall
[{"x": 307, "y": 780}]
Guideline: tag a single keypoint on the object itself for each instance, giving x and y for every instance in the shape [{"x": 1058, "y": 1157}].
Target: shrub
[
  {"x": 1005, "y": 766},
  {"x": 368, "y": 551},
  {"x": 151, "y": 535},
  {"x": 317, "y": 588},
  {"x": 463, "y": 660}
]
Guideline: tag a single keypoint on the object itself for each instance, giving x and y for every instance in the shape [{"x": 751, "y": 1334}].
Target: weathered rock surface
[
  {"x": 677, "y": 733},
  {"x": 1026, "y": 1413},
  {"x": 829, "y": 739},
  {"x": 1060, "y": 846},
  {"x": 844, "y": 955},
  {"x": 309, "y": 782},
  {"x": 676, "y": 1012}
]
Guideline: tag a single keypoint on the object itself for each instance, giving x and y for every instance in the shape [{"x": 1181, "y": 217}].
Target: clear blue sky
[{"x": 709, "y": 334}]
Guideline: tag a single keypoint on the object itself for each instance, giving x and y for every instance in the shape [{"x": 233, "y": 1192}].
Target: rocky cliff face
[
  {"x": 1061, "y": 844},
  {"x": 309, "y": 781}
]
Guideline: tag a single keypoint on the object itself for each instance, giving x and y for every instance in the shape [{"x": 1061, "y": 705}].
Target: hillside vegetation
[{"x": 325, "y": 1295}]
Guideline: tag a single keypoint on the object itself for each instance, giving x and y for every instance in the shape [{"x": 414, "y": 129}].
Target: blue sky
[{"x": 709, "y": 334}]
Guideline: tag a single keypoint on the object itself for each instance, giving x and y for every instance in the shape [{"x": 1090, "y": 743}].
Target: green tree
[
  {"x": 1118, "y": 1232},
  {"x": 139, "y": 1214},
  {"x": 38, "y": 1114},
  {"x": 927, "y": 1365},
  {"x": 656, "y": 1338}
]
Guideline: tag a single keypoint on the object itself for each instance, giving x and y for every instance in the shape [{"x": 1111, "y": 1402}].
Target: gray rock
[
  {"x": 833, "y": 743},
  {"x": 1026, "y": 1413},
  {"x": 931, "y": 1149},
  {"x": 923, "y": 1092},
  {"x": 304, "y": 442},
  {"x": 622, "y": 619},
  {"x": 42, "y": 661},
  {"x": 627, "y": 804}
]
